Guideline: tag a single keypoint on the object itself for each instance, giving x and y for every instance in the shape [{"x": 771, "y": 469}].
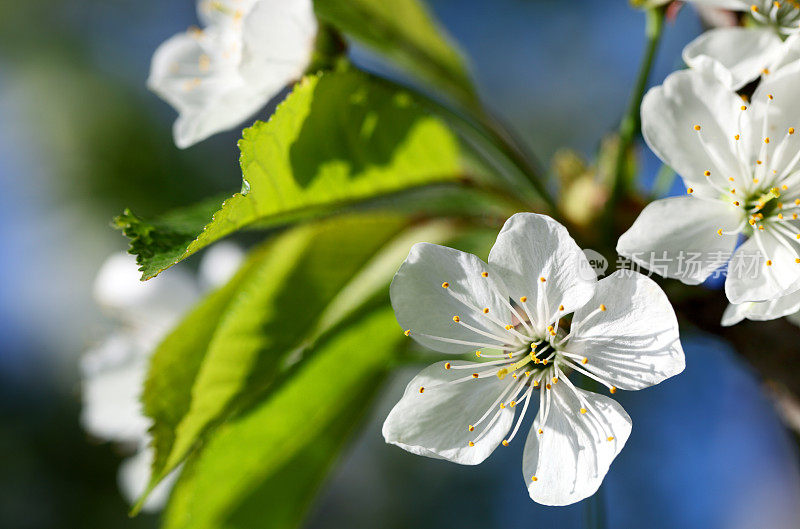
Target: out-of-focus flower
[
  {"x": 219, "y": 76},
  {"x": 740, "y": 162},
  {"x": 623, "y": 334},
  {"x": 114, "y": 372},
  {"x": 737, "y": 56}
]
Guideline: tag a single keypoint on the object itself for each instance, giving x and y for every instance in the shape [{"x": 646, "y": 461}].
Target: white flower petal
[
  {"x": 436, "y": 423},
  {"x": 635, "y": 342},
  {"x": 220, "y": 263},
  {"x": 677, "y": 237},
  {"x": 422, "y": 305},
  {"x": 153, "y": 304},
  {"x": 277, "y": 42},
  {"x": 737, "y": 5},
  {"x": 113, "y": 376},
  {"x": 573, "y": 454},
  {"x": 762, "y": 310},
  {"x": 219, "y": 77},
  {"x": 751, "y": 279},
  {"x": 776, "y": 100},
  {"x": 134, "y": 476},
  {"x": 734, "y": 55},
  {"x": 671, "y": 112},
  {"x": 531, "y": 247}
]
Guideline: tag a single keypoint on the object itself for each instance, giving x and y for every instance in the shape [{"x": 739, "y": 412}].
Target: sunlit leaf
[
  {"x": 337, "y": 140},
  {"x": 222, "y": 484},
  {"x": 233, "y": 347}
]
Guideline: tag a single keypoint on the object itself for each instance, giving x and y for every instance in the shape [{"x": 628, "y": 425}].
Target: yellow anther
[
  {"x": 754, "y": 8},
  {"x": 555, "y": 380},
  {"x": 752, "y": 222},
  {"x": 445, "y": 285},
  {"x": 733, "y": 190},
  {"x": 690, "y": 190},
  {"x": 561, "y": 307},
  {"x": 780, "y": 216},
  {"x": 602, "y": 308},
  {"x": 505, "y": 442},
  {"x": 759, "y": 162},
  {"x": 501, "y": 373},
  {"x": 707, "y": 173},
  {"x": 584, "y": 361},
  {"x": 761, "y": 228},
  {"x": 447, "y": 365},
  {"x": 612, "y": 390},
  {"x": 456, "y": 319},
  {"x": 502, "y": 406},
  {"x": 527, "y": 373},
  {"x": 407, "y": 332},
  {"x": 422, "y": 390},
  {"x": 719, "y": 231},
  {"x": 769, "y": 96},
  {"x": 769, "y": 262},
  {"x": 542, "y": 279},
  {"x": 775, "y": 191},
  {"x": 471, "y": 444},
  {"x": 784, "y": 186},
  {"x": 697, "y": 127},
  {"x": 484, "y": 274},
  {"x": 797, "y": 260},
  {"x": 510, "y": 355},
  {"x": 544, "y": 362},
  {"x": 512, "y": 403},
  {"x": 536, "y": 383},
  {"x": 794, "y": 216},
  {"x": 766, "y": 140},
  {"x": 541, "y": 431},
  {"x": 737, "y": 139},
  {"x": 547, "y": 386},
  {"x": 471, "y": 428},
  {"x": 736, "y": 203},
  {"x": 765, "y": 71},
  {"x": 744, "y": 107},
  {"x": 486, "y": 310},
  {"x": 523, "y": 299},
  {"x": 534, "y": 478},
  {"x": 755, "y": 180},
  {"x": 583, "y": 410},
  {"x": 478, "y": 354},
  {"x": 610, "y": 438},
  {"x": 791, "y": 130},
  {"x": 509, "y": 327},
  {"x": 475, "y": 375}
]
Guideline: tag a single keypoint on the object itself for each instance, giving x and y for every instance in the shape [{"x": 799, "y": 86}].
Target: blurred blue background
[{"x": 81, "y": 138}]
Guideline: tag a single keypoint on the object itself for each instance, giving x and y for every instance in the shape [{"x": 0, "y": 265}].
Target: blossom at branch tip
[
  {"x": 511, "y": 312},
  {"x": 740, "y": 161},
  {"x": 221, "y": 75},
  {"x": 113, "y": 372}
]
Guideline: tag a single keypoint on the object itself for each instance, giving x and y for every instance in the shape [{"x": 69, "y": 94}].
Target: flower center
[{"x": 783, "y": 15}]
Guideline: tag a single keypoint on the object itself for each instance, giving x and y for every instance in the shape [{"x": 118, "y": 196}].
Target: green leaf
[
  {"x": 234, "y": 347},
  {"x": 338, "y": 139},
  {"x": 406, "y": 32},
  {"x": 221, "y": 486}
]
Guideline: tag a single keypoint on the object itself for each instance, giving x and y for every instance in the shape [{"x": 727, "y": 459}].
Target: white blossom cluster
[{"x": 534, "y": 312}]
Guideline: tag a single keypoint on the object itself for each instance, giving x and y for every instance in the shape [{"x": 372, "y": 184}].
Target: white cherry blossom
[
  {"x": 512, "y": 312},
  {"x": 740, "y": 162},
  {"x": 114, "y": 371},
  {"x": 219, "y": 76}
]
